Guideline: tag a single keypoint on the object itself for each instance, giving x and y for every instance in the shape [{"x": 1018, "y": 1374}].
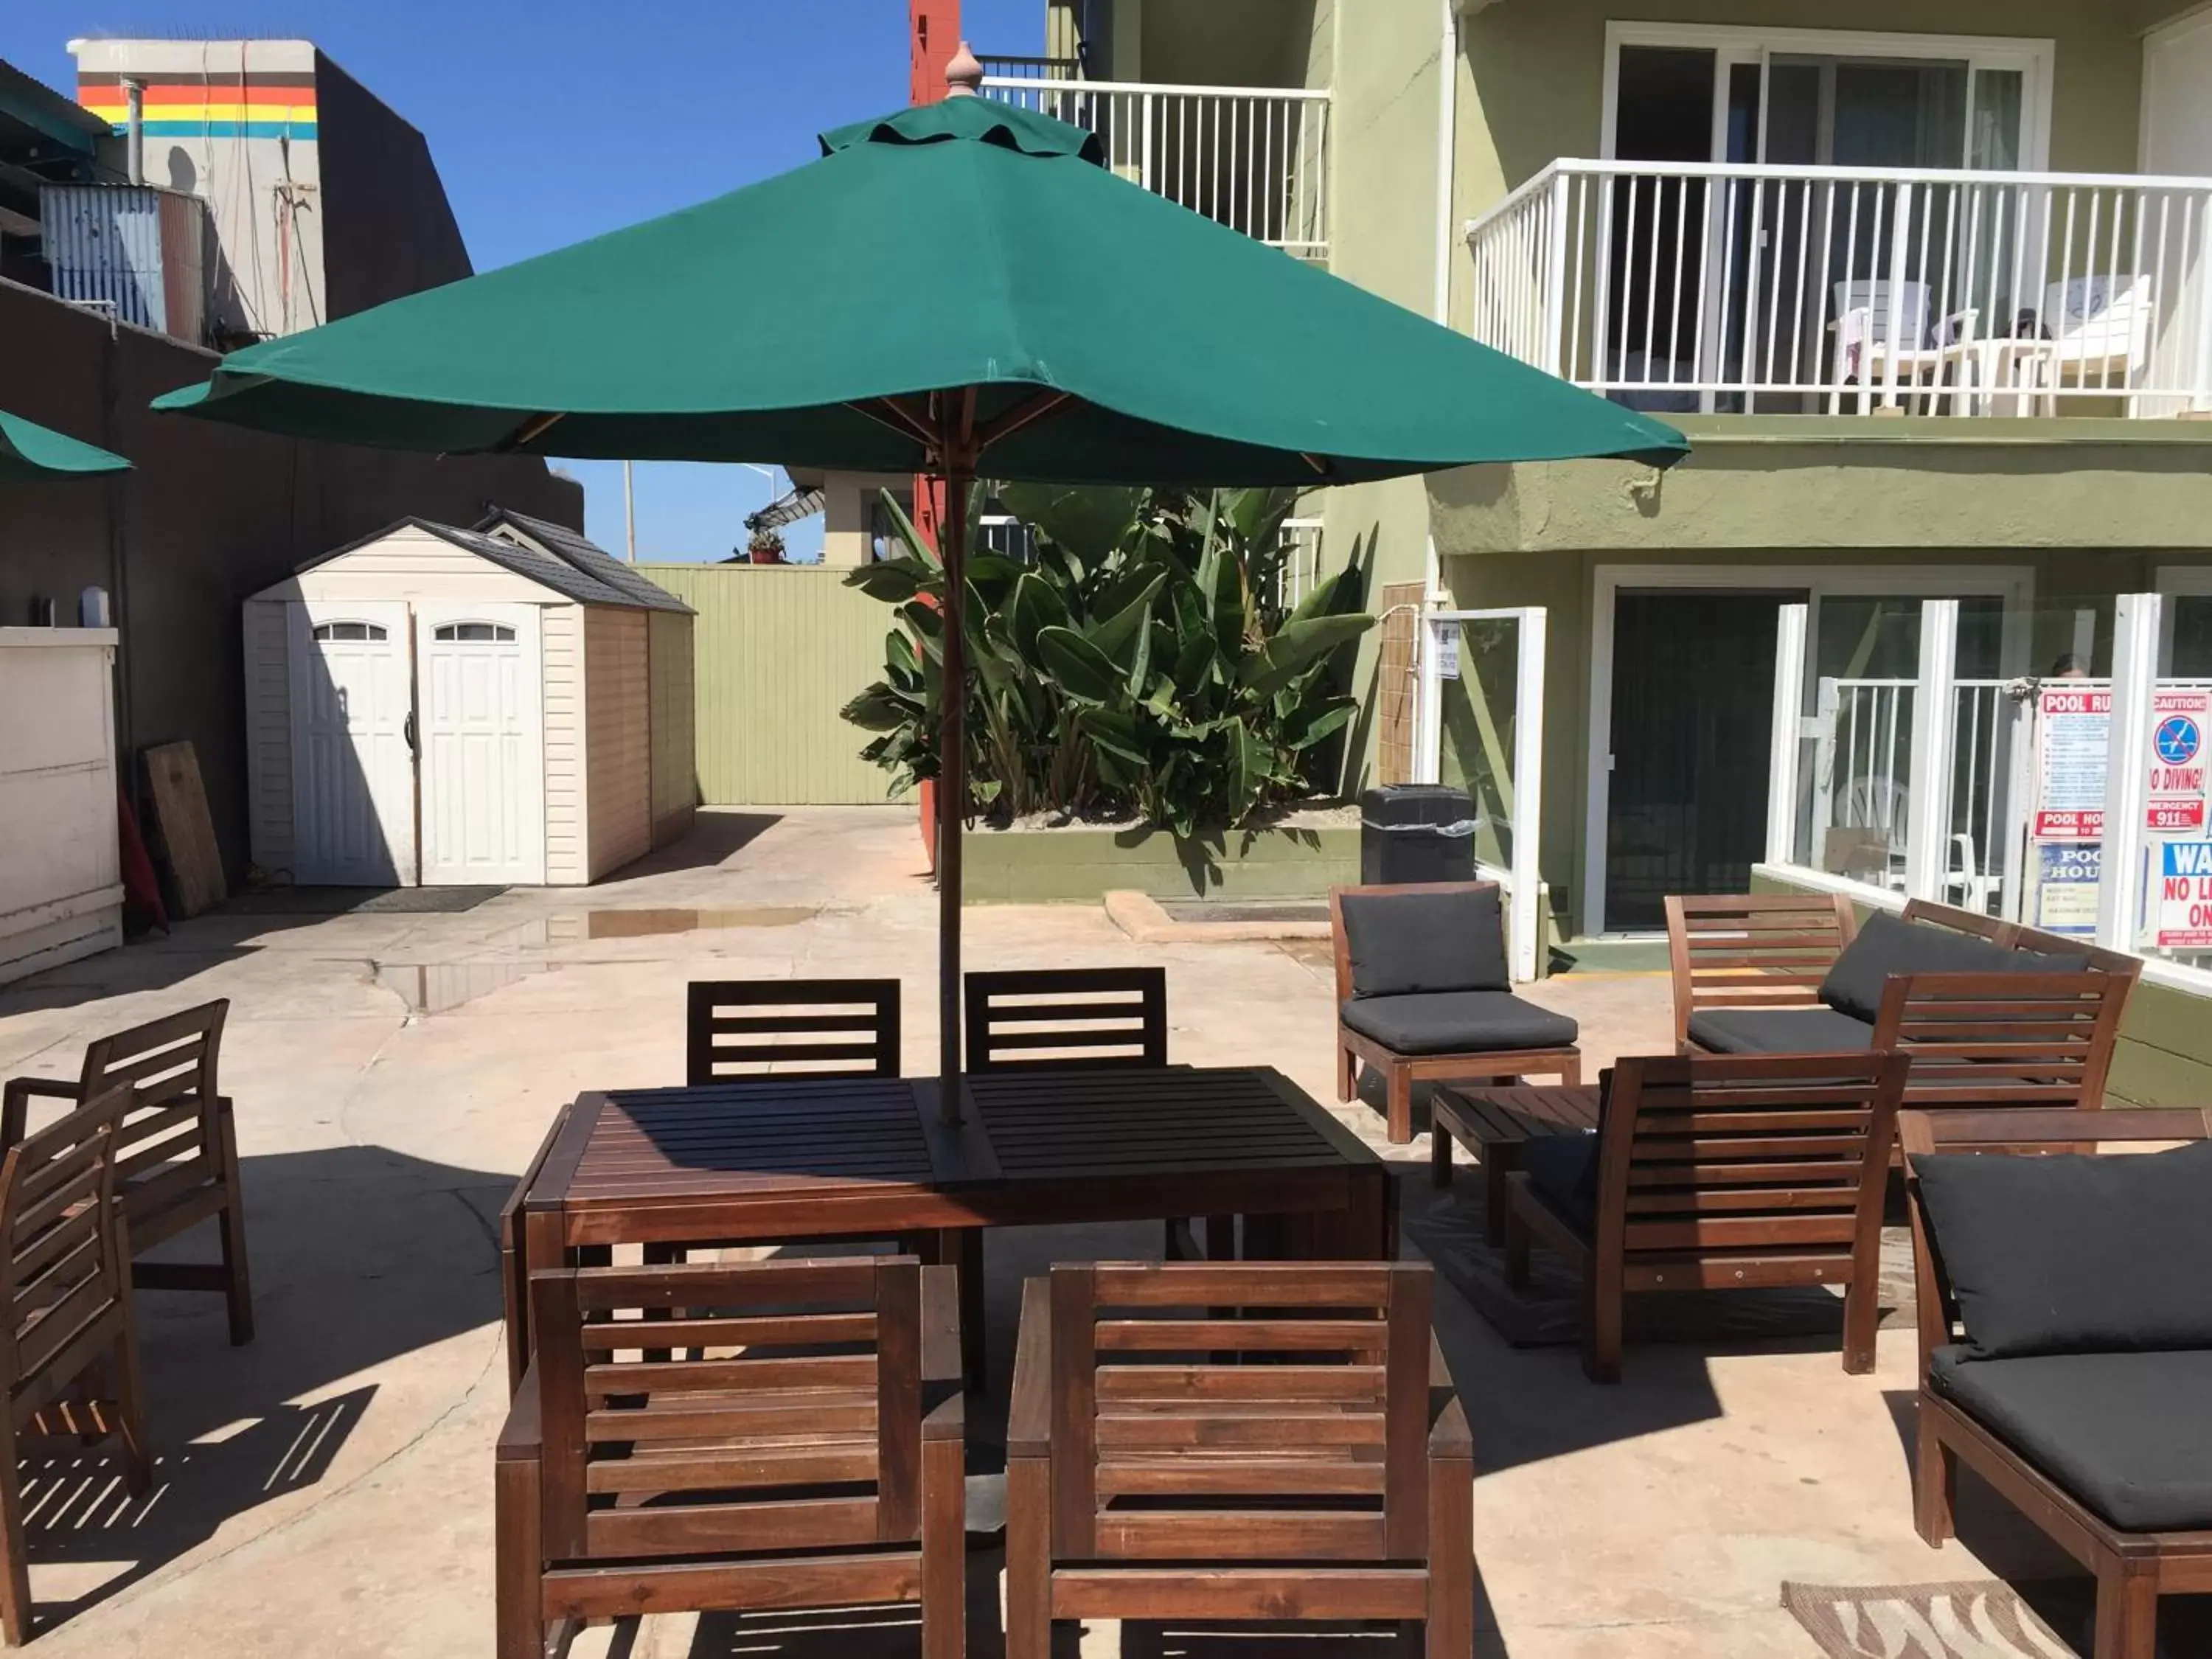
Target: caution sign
[{"x": 2179, "y": 720}]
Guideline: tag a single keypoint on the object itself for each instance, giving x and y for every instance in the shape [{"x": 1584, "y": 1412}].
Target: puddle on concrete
[
  {"x": 438, "y": 987},
  {"x": 645, "y": 924}
]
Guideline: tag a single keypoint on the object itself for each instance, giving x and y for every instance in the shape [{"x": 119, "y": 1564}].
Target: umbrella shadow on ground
[{"x": 360, "y": 1257}]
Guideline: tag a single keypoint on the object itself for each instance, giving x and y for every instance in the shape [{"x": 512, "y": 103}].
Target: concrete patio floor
[{"x": 328, "y": 1489}]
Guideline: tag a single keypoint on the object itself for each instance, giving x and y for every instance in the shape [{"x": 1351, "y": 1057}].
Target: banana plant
[{"x": 1140, "y": 659}]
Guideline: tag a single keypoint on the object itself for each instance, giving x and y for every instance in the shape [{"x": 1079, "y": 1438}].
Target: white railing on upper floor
[
  {"x": 1255, "y": 159},
  {"x": 1692, "y": 288}
]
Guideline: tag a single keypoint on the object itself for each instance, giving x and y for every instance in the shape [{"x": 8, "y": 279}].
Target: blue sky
[{"x": 553, "y": 120}]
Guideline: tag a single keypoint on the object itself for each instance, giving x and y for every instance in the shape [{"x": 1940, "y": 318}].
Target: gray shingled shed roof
[
  {"x": 576, "y": 571},
  {"x": 587, "y": 557}
]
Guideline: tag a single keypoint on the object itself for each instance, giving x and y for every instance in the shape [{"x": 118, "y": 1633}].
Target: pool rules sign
[{"x": 2180, "y": 724}]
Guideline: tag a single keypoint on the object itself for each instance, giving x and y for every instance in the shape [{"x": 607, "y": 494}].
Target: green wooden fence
[{"x": 778, "y": 650}]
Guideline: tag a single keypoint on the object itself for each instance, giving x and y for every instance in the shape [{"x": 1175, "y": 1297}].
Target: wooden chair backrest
[
  {"x": 1149, "y": 1404},
  {"x": 804, "y": 1027},
  {"x": 63, "y": 1275},
  {"x": 1341, "y": 942},
  {"x": 169, "y": 1065},
  {"x": 1063, "y": 1017},
  {"x": 647, "y": 1456},
  {"x": 2003, "y": 1039},
  {"x": 1753, "y": 950},
  {"x": 1703, "y": 1158},
  {"x": 2034, "y": 1132},
  {"x": 1929, "y": 913}
]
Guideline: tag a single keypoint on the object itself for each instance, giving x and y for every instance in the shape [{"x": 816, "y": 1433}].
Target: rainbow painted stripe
[{"x": 178, "y": 106}]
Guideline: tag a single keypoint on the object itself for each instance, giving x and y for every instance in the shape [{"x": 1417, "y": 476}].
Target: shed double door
[{"x": 417, "y": 744}]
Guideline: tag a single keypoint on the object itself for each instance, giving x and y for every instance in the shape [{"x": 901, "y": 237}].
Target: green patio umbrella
[
  {"x": 30, "y": 453},
  {"x": 956, "y": 285}
]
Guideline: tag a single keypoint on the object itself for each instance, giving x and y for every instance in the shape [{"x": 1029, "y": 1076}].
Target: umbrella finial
[{"x": 963, "y": 76}]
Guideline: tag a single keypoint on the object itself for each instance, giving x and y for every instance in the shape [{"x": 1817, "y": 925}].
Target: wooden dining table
[{"x": 783, "y": 1159}]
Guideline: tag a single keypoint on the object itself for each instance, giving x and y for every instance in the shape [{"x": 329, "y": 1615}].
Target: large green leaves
[{"x": 1140, "y": 656}]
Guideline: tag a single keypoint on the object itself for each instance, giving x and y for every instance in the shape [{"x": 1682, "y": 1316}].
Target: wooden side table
[{"x": 1495, "y": 1124}]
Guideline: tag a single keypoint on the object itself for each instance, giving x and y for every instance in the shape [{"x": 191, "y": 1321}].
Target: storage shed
[{"x": 431, "y": 706}]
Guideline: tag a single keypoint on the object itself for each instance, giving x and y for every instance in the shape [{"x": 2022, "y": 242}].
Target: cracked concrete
[{"x": 328, "y": 1489}]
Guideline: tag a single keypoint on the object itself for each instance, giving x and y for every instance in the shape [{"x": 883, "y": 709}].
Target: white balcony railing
[
  {"x": 1690, "y": 288},
  {"x": 1254, "y": 159}
]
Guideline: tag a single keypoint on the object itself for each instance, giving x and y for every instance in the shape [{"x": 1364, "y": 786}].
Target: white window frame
[
  {"x": 2013, "y": 584},
  {"x": 1734, "y": 43},
  {"x": 1523, "y": 881},
  {"x": 2172, "y": 581}
]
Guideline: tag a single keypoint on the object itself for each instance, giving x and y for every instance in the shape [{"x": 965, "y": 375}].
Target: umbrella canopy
[
  {"x": 30, "y": 453},
  {"x": 961, "y": 244},
  {"x": 954, "y": 286}
]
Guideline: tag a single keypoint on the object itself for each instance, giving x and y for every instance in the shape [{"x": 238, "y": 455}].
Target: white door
[
  {"x": 352, "y": 766},
  {"x": 482, "y": 744}
]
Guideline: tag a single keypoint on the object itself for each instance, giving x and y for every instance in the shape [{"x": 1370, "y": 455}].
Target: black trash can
[{"x": 1416, "y": 832}]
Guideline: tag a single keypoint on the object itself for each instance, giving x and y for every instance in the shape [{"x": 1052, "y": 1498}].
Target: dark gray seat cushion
[
  {"x": 1458, "y": 1022},
  {"x": 2076, "y": 1254},
  {"x": 1405, "y": 943},
  {"x": 1562, "y": 1168},
  {"x": 1779, "y": 1031},
  {"x": 1889, "y": 945},
  {"x": 2129, "y": 1434}
]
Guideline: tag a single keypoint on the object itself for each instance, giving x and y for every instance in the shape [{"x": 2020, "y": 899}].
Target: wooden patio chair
[
  {"x": 176, "y": 1157},
  {"x": 2097, "y": 1440},
  {"x": 2000, "y": 1040},
  {"x": 815, "y": 1461},
  {"x": 1147, "y": 1479},
  {"x": 1759, "y": 950},
  {"x": 1066, "y": 1017},
  {"x": 847, "y": 1027},
  {"x": 1424, "y": 994},
  {"x": 67, "y": 1293},
  {"x": 1712, "y": 1174}
]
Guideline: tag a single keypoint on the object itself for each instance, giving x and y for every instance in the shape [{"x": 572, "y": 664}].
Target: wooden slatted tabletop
[
  {"x": 783, "y": 1158},
  {"x": 786, "y": 1158}
]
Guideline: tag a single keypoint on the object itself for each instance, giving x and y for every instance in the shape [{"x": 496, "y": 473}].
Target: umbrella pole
[{"x": 959, "y": 460}]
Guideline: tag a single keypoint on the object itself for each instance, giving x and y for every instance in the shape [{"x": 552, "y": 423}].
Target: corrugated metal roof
[
  {"x": 587, "y": 557},
  {"x": 537, "y": 564}
]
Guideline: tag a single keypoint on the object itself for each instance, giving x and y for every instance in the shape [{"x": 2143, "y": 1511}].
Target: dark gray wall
[
  {"x": 387, "y": 226},
  {"x": 210, "y": 516}
]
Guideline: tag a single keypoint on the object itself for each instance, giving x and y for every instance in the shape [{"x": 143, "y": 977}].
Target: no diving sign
[{"x": 2179, "y": 720}]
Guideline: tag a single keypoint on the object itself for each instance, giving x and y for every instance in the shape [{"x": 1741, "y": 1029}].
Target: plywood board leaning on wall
[{"x": 186, "y": 832}]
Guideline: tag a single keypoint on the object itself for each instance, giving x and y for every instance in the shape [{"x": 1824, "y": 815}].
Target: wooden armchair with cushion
[
  {"x": 1991, "y": 1012},
  {"x": 1424, "y": 994},
  {"x": 1151, "y": 1476},
  {"x": 176, "y": 1159},
  {"x": 815, "y": 1461},
  {"x": 1717, "y": 1174},
  {"x": 2066, "y": 1340}
]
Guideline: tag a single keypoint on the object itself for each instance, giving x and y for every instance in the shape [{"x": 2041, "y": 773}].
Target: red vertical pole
[{"x": 932, "y": 36}]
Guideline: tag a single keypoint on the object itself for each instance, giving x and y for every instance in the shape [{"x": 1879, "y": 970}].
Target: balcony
[
  {"x": 1254, "y": 159},
  {"x": 1683, "y": 288}
]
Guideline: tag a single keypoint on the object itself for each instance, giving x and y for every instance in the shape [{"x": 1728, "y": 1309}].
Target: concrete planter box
[{"x": 1031, "y": 867}]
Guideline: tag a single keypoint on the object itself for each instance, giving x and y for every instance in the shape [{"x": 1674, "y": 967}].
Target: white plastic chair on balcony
[
  {"x": 1864, "y": 355},
  {"x": 2101, "y": 328}
]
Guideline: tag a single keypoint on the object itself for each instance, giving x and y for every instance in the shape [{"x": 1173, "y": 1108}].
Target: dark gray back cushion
[
  {"x": 1404, "y": 942},
  {"x": 1889, "y": 945},
  {"x": 2076, "y": 1254}
]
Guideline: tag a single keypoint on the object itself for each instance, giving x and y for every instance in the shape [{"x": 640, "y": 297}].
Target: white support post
[
  {"x": 1523, "y": 933},
  {"x": 2127, "y": 775},
  {"x": 1788, "y": 728},
  {"x": 1553, "y": 287},
  {"x": 1935, "y": 697},
  {"x": 1428, "y": 713}
]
